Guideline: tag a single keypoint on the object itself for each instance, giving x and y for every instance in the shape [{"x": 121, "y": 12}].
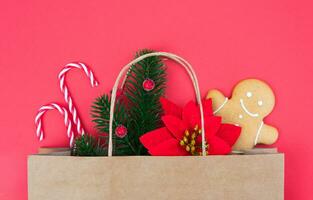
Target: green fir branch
[
  {"x": 139, "y": 111},
  {"x": 101, "y": 117},
  {"x": 87, "y": 145},
  {"x": 144, "y": 106}
]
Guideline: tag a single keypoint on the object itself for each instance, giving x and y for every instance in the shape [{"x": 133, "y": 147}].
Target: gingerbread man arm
[
  {"x": 218, "y": 99},
  {"x": 268, "y": 135}
]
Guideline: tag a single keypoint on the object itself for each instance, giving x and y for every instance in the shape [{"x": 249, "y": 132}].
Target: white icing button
[
  {"x": 240, "y": 116},
  {"x": 260, "y": 103},
  {"x": 249, "y": 94}
]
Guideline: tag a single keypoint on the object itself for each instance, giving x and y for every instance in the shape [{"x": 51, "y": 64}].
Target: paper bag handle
[{"x": 171, "y": 56}]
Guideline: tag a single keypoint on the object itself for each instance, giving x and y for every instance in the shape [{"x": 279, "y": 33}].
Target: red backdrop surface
[{"x": 226, "y": 41}]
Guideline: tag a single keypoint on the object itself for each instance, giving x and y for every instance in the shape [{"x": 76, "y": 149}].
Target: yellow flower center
[{"x": 188, "y": 142}]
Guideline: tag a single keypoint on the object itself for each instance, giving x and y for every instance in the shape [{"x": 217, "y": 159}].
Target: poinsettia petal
[
  {"x": 212, "y": 125},
  {"x": 155, "y": 137},
  {"x": 175, "y": 126},
  {"x": 207, "y": 107},
  {"x": 191, "y": 114},
  {"x": 169, "y": 147},
  {"x": 170, "y": 108},
  {"x": 217, "y": 146},
  {"x": 229, "y": 133}
]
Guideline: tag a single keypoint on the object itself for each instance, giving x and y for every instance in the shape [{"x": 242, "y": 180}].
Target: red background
[{"x": 224, "y": 40}]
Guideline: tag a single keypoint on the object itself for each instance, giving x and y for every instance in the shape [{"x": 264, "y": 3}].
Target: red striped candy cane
[
  {"x": 63, "y": 111},
  {"x": 67, "y": 96}
]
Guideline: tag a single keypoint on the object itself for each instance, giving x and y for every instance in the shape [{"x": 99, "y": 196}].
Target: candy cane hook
[
  {"x": 67, "y": 96},
  {"x": 63, "y": 111}
]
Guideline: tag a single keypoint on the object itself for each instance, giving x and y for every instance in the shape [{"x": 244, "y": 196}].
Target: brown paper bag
[{"x": 115, "y": 178}]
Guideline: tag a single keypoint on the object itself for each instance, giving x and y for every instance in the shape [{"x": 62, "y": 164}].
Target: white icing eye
[
  {"x": 249, "y": 94},
  {"x": 260, "y": 103},
  {"x": 240, "y": 116}
]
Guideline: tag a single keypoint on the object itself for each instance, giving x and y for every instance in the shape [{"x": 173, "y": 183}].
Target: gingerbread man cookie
[{"x": 251, "y": 101}]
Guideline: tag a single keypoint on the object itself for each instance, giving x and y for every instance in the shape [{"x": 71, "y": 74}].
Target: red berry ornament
[
  {"x": 121, "y": 131},
  {"x": 148, "y": 85}
]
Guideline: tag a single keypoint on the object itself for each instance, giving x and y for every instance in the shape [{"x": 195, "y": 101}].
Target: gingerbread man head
[{"x": 255, "y": 97}]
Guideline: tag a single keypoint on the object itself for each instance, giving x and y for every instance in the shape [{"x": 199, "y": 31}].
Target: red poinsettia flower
[{"x": 182, "y": 132}]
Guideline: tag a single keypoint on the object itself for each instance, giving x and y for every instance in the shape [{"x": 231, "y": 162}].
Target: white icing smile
[{"x": 246, "y": 110}]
